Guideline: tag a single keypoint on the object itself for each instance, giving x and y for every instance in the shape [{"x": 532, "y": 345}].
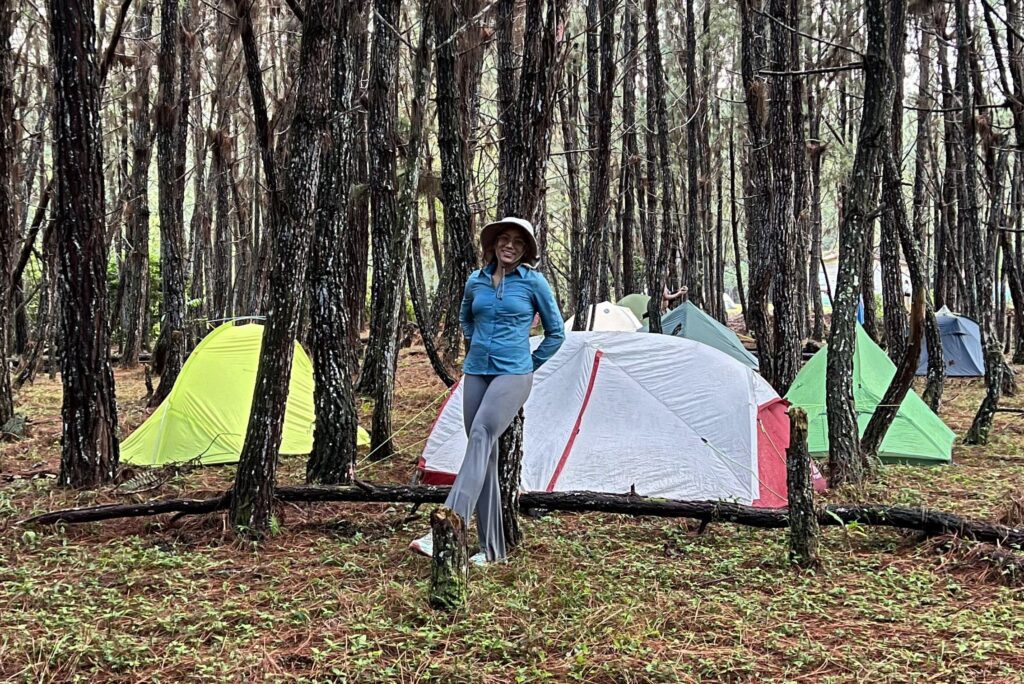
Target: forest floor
[{"x": 335, "y": 596}]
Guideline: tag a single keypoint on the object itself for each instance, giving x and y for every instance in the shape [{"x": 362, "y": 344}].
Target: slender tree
[
  {"x": 932, "y": 394},
  {"x": 658, "y": 166},
  {"x": 168, "y": 119},
  {"x": 136, "y": 276},
  {"x": 89, "y": 448},
  {"x": 458, "y": 220},
  {"x": 845, "y": 461},
  {"x": 781, "y": 224},
  {"x": 895, "y": 320},
  {"x": 600, "y": 127},
  {"x": 308, "y": 144},
  {"x": 8, "y": 225},
  {"x": 398, "y": 249},
  {"x": 982, "y": 248},
  {"x": 387, "y": 289}
]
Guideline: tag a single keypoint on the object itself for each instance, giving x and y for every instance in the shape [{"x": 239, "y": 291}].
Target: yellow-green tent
[{"x": 205, "y": 416}]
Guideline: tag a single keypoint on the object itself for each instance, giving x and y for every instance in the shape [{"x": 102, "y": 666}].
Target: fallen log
[{"x": 928, "y": 521}]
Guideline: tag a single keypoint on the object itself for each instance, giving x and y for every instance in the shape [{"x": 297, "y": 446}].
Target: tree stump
[
  {"x": 449, "y": 571},
  {"x": 803, "y": 520}
]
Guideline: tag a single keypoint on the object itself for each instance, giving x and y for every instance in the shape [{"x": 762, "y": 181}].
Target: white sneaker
[
  {"x": 424, "y": 545},
  {"x": 478, "y": 559}
]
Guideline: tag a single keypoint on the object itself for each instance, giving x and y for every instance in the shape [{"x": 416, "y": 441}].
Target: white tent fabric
[
  {"x": 608, "y": 317},
  {"x": 612, "y": 411}
]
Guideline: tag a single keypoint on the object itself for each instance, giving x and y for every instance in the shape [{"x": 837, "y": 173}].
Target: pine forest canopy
[{"x": 326, "y": 165}]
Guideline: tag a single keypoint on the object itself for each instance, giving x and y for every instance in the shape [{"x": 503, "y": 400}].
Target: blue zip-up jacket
[{"x": 497, "y": 322}]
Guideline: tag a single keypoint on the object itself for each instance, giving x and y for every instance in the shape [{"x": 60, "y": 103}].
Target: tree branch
[{"x": 928, "y": 521}]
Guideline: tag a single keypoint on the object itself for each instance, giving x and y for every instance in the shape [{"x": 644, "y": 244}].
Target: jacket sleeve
[
  {"x": 550, "y": 318},
  {"x": 466, "y": 312}
]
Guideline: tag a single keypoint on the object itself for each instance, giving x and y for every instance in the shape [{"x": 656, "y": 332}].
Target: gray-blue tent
[
  {"x": 687, "y": 320},
  {"x": 961, "y": 346}
]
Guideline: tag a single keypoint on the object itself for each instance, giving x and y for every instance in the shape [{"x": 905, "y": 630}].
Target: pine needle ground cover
[{"x": 591, "y": 598}]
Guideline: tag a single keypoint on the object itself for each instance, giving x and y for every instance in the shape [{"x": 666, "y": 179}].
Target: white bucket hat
[{"x": 490, "y": 233}]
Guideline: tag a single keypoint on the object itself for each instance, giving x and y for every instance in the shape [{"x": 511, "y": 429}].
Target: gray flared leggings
[{"x": 489, "y": 403}]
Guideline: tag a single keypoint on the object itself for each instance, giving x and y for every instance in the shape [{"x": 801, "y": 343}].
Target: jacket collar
[{"x": 489, "y": 269}]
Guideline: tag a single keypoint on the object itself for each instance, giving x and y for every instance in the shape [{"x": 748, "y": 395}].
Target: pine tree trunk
[
  {"x": 89, "y": 448},
  {"x": 388, "y": 282},
  {"x": 568, "y": 109},
  {"x": 308, "y": 146},
  {"x": 846, "y": 464},
  {"x": 630, "y": 163},
  {"x": 936, "y": 378},
  {"x": 397, "y": 251},
  {"x": 981, "y": 249},
  {"x": 696, "y": 164},
  {"x": 136, "y": 278},
  {"x": 781, "y": 224},
  {"x": 760, "y": 242},
  {"x": 332, "y": 322},
  {"x": 172, "y": 239},
  {"x": 801, "y": 213},
  {"x": 658, "y": 170},
  {"x": 599, "y": 127},
  {"x": 458, "y": 221},
  {"x": 894, "y": 309},
  {"x": 8, "y": 229}
]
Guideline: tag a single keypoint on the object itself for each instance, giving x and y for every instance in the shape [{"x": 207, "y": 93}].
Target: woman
[{"x": 498, "y": 307}]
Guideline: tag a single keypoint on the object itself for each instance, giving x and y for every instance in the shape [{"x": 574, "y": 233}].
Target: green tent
[
  {"x": 637, "y": 303},
  {"x": 916, "y": 435},
  {"x": 689, "y": 321},
  {"x": 205, "y": 416}
]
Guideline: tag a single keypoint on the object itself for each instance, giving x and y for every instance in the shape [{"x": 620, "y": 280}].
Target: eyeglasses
[{"x": 514, "y": 240}]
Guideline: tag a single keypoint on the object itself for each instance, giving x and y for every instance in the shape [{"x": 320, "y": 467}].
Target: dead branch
[{"x": 928, "y": 521}]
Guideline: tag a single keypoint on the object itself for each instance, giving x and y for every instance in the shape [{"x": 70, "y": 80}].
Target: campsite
[{"x": 490, "y": 341}]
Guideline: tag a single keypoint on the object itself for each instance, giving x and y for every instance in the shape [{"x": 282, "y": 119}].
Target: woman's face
[{"x": 510, "y": 246}]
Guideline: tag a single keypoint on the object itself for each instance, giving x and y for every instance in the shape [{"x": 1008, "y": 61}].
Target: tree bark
[
  {"x": 932, "y": 394},
  {"x": 397, "y": 251},
  {"x": 458, "y": 221},
  {"x": 781, "y": 224},
  {"x": 449, "y": 571},
  {"x": 803, "y": 519},
  {"x": 599, "y": 117},
  {"x": 308, "y": 144},
  {"x": 845, "y": 462},
  {"x": 658, "y": 169},
  {"x": 568, "y": 109},
  {"x": 981, "y": 248},
  {"x": 332, "y": 322},
  {"x": 172, "y": 237},
  {"x": 136, "y": 277},
  {"x": 89, "y": 449},
  {"x": 734, "y": 218},
  {"x": 388, "y": 281},
  {"x": 8, "y": 226},
  {"x": 693, "y": 271},
  {"x": 630, "y": 165},
  {"x": 895, "y": 312},
  {"x": 758, "y": 202}
]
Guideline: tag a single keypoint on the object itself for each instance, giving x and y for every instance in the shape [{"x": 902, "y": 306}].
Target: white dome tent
[
  {"x": 655, "y": 414},
  {"x": 607, "y": 317}
]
